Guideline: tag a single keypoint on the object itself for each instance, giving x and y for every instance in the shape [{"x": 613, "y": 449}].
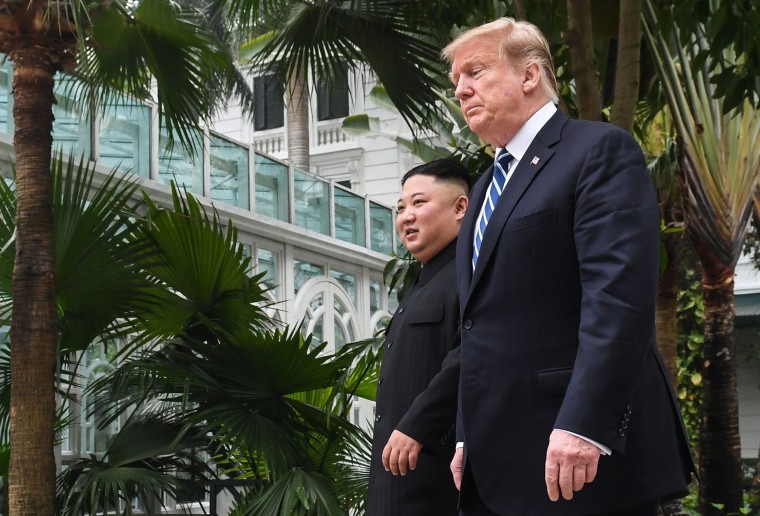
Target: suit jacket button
[
  {"x": 628, "y": 409},
  {"x": 401, "y": 310},
  {"x": 378, "y": 418},
  {"x": 627, "y": 417},
  {"x": 621, "y": 432},
  {"x": 379, "y": 382},
  {"x": 624, "y": 425},
  {"x": 467, "y": 324},
  {"x": 389, "y": 345}
]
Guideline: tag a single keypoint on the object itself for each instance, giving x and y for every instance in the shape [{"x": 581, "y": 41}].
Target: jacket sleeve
[
  {"x": 616, "y": 230},
  {"x": 431, "y": 418}
]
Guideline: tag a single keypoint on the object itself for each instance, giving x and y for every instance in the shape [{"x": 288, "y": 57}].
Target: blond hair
[{"x": 522, "y": 44}]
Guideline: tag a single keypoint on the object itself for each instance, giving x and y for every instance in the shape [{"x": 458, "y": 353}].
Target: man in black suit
[
  {"x": 557, "y": 266},
  {"x": 419, "y": 376}
]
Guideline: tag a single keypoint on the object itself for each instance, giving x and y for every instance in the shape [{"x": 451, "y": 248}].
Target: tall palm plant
[
  {"x": 398, "y": 40},
  {"x": 265, "y": 405},
  {"x": 721, "y": 164},
  {"x": 121, "y": 44}
]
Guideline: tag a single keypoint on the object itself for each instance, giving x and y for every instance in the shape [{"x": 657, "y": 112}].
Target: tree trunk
[
  {"x": 34, "y": 328},
  {"x": 521, "y": 13},
  {"x": 580, "y": 40},
  {"x": 298, "y": 119},
  {"x": 628, "y": 65},
  {"x": 719, "y": 446}
]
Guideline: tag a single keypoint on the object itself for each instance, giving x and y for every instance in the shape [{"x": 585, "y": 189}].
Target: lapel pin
[{"x": 535, "y": 160}]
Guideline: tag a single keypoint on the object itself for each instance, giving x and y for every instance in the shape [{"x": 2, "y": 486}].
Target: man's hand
[
  {"x": 456, "y": 467},
  {"x": 400, "y": 452},
  {"x": 570, "y": 463}
]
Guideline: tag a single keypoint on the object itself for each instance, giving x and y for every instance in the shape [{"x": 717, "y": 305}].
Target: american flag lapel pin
[{"x": 535, "y": 160}]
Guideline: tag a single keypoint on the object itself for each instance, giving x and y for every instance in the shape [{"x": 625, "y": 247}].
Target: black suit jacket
[
  {"x": 558, "y": 327},
  {"x": 417, "y": 394}
]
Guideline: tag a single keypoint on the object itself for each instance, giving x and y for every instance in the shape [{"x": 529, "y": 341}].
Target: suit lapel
[{"x": 535, "y": 159}]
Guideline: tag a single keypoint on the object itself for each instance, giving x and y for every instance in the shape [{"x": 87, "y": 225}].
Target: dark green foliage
[
  {"x": 205, "y": 386},
  {"x": 690, "y": 340}
]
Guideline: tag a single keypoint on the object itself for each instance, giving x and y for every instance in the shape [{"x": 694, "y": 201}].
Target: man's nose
[
  {"x": 462, "y": 90},
  {"x": 408, "y": 214}
]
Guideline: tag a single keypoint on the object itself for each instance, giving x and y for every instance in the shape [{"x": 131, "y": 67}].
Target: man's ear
[
  {"x": 531, "y": 78},
  {"x": 461, "y": 206}
]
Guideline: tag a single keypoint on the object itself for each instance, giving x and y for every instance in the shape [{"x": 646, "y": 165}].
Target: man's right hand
[{"x": 456, "y": 467}]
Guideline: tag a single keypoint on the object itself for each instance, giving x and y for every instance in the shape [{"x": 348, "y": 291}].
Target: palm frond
[
  {"x": 97, "y": 256},
  {"x": 298, "y": 492},
  {"x": 237, "y": 391},
  {"x": 7, "y": 247},
  {"x": 142, "y": 462},
  {"x": 201, "y": 276},
  {"x": 157, "y": 42},
  {"x": 5, "y": 392},
  {"x": 718, "y": 151},
  {"x": 324, "y": 36}
]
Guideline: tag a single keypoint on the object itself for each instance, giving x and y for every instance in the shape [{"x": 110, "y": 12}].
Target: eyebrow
[{"x": 411, "y": 196}]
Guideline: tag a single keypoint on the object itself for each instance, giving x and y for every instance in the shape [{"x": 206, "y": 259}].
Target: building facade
[{"x": 320, "y": 238}]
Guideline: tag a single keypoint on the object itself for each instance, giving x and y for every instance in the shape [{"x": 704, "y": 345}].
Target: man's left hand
[
  {"x": 400, "y": 452},
  {"x": 571, "y": 462}
]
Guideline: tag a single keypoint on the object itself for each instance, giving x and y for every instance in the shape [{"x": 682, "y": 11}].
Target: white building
[{"x": 321, "y": 239}]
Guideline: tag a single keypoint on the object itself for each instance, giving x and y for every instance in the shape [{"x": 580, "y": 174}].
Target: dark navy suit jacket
[{"x": 558, "y": 327}]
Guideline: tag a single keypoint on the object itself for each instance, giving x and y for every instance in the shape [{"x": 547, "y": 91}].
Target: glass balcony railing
[
  {"x": 312, "y": 196},
  {"x": 72, "y": 125},
  {"x": 349, "y": 217},
  {"x": 381, "y": 228},
  {"x": 222, "y": 169},
  {"x": 271, "y": 180},
  {"x": 229, "y": 172},
  {"x": 124, "y": 129},
  {"x": 176, "y": 163}
]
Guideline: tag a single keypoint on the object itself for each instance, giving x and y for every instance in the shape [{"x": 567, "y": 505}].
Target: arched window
[{"x": 327, "y": 312}]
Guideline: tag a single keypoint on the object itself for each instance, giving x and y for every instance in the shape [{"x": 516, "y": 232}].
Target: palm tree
[
  {"x": 721, "y": 165},
  {"x": 399, "y": 40},
  {"x": 109, "y": 44},
  {"x": 91, "y": 257},
  {"x": 264, "y": 404}
]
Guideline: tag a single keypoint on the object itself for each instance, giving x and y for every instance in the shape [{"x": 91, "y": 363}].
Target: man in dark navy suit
[
  {"x": 565, "y": 407},
  {"x": 413, "y": 438}
]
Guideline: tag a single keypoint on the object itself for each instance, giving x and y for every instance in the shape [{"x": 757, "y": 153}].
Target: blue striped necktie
[{"x": 493, "y": 193}]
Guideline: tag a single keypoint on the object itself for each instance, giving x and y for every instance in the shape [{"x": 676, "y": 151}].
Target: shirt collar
[
  {"x": 519, "y": 144},
  {"x": 433, "y": 265}
]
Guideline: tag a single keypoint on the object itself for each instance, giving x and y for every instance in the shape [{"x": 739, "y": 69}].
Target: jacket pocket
[
  {"x": 425, "y": 314},
  {"x": 532, "y": 220},
  {"x": 553, "y": 382}
]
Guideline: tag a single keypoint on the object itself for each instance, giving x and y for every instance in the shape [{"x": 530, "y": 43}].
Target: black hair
[{"x": 444, "y": 170}]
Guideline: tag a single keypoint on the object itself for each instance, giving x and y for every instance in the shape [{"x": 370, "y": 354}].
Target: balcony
[{"x": 127, "y": 134}]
